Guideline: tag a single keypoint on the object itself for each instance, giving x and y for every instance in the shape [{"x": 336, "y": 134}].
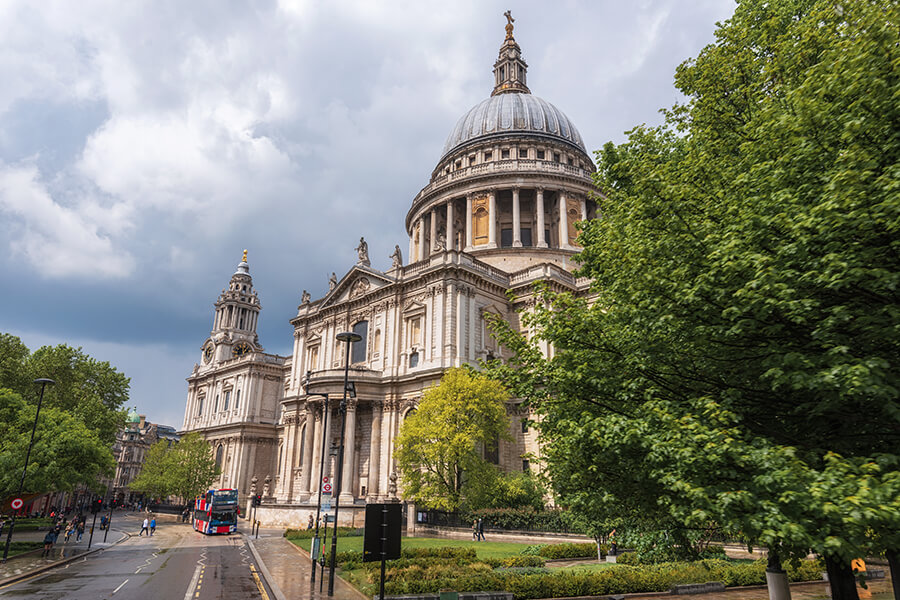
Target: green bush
[
  {"x": 582, "y": 550},
  {"x": 308, "y": 534},
  {"x": 534, "y": 550},
  {"x": 523, "y": 560},
  {"x": 522, "y": 519},
  {"x": 628, "y": 558}
]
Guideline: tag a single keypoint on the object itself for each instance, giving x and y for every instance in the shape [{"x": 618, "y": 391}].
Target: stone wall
[{"x": 296, "y": 516}]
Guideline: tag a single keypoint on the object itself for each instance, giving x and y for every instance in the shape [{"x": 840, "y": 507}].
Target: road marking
[
  {"x": 262, "y": 590},
  {"x": 193, "y": 584},
  {"x": 120, "y": 586},
  {"x": 138, "y": 570}
]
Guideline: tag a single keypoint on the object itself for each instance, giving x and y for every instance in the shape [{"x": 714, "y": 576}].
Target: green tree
[
  {"x": 504, "y": 490},
  {"x": 93, "y": 391},
  {"x": 65, "y": 452},
  {"x": 439, "y": 447},
  {"x": 185, "y": 469},
  {"x": 738, "y": 363}
]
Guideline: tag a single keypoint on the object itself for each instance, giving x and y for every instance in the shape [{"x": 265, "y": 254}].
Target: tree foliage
[
  {"x": 738, "y": 363},
  {"x": 439, "y": 447},
  {"x": 185, "y": 469},
  {"x": 92, "y": 391},
  {"x": 65, "y": 452}
]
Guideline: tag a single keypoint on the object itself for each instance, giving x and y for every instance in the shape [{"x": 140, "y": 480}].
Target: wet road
[{"x": 175, "y": 563}]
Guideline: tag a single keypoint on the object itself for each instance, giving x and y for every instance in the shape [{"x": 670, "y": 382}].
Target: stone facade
[
  {"x": 130, "y": 450},
  {"x": 497, "y": 215}
]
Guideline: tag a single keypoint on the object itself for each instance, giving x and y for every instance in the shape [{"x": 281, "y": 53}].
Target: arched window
[
  {"x": 358, "y": 349},
  {"x": 219, "y": 452},
  {"x": 376, "y": 342},
  {"x": 200, "y": 407}
]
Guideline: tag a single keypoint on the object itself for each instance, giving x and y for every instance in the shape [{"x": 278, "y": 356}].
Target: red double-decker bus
[{"x": 216, "y": 511}]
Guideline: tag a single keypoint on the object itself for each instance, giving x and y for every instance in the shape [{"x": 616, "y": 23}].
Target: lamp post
[
  {"x": 44, "y": 383},
  {"x": 318, "y": 484},
  {"x": 348, "y": 337}
]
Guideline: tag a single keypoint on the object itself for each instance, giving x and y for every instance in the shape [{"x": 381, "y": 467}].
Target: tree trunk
[
  {"x": 776, "y": 578},
  {"x": 840, "y": 579},
  {"x": 894, "y": 562}
]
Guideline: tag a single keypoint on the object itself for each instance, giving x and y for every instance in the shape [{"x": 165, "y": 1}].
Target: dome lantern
[{"x": 510, "y": 68}]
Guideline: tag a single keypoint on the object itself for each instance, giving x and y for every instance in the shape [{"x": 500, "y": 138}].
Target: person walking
[
  {"x": 145, "y": 526},
  {"x": 49, "y": 540},
  {"x": 480, "y": 530},
  {"x": 475, "y": 530},
  {"x": 309, "y": 524},
  {"x": 69, "y": 529},
  {"x": 79, "y": 530},
  {"x": 152, "y": 526}
]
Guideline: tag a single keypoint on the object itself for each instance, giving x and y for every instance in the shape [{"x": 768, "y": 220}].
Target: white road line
[
  {"x": 193, "y": 585},
  {"x": 120, "y": 586},
  {"x": 138, "y": 570}
]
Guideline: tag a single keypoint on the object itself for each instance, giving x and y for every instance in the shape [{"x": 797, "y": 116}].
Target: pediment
[{"x": 358, "y": 282}]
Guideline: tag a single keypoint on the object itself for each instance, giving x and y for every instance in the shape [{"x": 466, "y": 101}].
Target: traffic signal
[
  {"x": 257, "y": 500},
  {"x": 97, "y": 505}
]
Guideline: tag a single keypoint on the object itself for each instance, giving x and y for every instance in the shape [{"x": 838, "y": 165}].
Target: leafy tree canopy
[
  {"x": 439, "y": 447},
  {"x": 738, "y": 362},
  {"x": 185, "y": 469},
  {"x": 65, "y": 452},
  {"x": 93, "y": 391}
]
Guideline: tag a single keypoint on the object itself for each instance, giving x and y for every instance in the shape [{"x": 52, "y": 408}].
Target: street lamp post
[
  {"x": 318, "y": 484},
  {"x": 347, "y": 337},
  {"x": 44, "y": 383}
]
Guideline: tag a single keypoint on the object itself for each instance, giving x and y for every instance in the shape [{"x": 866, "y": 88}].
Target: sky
[{"x": 144, "y": 145}]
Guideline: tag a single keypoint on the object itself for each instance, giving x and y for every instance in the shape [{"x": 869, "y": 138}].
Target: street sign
[
  {"x": 325, "y": 479},
  {"x": 16, "y": 504},
  {"x": 326, "y": 488},
  {"x": 326, "y": 504}
]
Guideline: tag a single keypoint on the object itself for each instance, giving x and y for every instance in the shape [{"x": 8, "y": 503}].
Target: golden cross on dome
[
  {"x": 509, "y": 24},
  {"x": 244, "y": 259}
]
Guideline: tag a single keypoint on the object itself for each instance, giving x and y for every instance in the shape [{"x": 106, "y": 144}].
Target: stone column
[
  {"x": 317, "y": 451},
  {"x": 374, "y": 451},
  {"x": 433, "y": 232},
  {"x": 468, "y": 222},
  {"x": 411, "y": 256},
  {"x": 517, "y": 220},
  {"x": 349, "y": 450},
  {"x": 451, "y": 235},
  {"x": 492, "y": 219},
  {"x": 541, "y": 242},
  {"x": 422, "y": 253},
  {"x": 563, "y": 222},
  {"x": 583, "y": 209},
  {"x": 308, "y": 456}
]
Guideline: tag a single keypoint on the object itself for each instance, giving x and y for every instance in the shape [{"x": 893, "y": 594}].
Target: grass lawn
[{"x": 483, "y": 549}]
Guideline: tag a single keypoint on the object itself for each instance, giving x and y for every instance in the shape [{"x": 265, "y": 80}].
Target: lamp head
[
  {"x": 44, "y": 381},
  {"x": 348, "y": 336}
]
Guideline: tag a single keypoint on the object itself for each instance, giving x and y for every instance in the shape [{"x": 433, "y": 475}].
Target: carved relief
[{"x": 360, "y": 287}]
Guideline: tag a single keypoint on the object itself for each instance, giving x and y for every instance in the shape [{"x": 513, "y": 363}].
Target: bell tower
[
  {"x": 510, "y": 68},
  {"x": 234, "y": 325}
]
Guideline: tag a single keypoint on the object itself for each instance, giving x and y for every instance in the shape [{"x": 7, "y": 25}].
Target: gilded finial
[
  {"x": 244, "y": 259},
  {"x": 509, "y": 24}
]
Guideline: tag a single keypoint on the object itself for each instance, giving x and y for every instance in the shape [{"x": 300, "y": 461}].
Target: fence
[{"x": 546, "y": 522}]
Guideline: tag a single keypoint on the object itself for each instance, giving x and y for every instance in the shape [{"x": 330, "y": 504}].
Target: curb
[
  {"x": 270, "y": 581},
  {"x": 40, "y": 570}
]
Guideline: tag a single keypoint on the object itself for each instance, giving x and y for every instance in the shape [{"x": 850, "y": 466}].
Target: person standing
[
  {"x": 145, "y": 526},
  {"x": 475, "y": 530},
  {"x": 152, "y": 526},
  {"x": 480, "y": 530},
  {"x": 309, "y": 524},
  {"x": 80, "y": 530},
  {"x": 69, "y": 529}
]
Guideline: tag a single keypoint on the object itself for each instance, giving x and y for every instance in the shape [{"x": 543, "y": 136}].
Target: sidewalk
[
  {"x": 287, "y": 569},
  {"x": 23, "y": 565}
]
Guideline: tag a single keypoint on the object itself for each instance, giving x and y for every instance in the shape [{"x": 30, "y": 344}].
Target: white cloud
[{"x": 56, "y": 240}]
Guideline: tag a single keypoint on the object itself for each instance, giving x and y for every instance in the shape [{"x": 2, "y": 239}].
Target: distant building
[{"x": 130, "y": 450}]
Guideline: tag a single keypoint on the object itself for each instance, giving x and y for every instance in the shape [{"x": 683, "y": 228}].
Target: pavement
[{"x": 180, "y": 563}]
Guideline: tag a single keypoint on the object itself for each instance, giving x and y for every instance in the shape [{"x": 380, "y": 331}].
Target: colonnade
[{"x": 440, "y": 228}]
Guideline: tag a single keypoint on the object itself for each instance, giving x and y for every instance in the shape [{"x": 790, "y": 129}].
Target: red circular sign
[
  {"x": 325, "y": 479},
  {"x": 16, "y": 504},
  {"x": 326, "y": 488}
]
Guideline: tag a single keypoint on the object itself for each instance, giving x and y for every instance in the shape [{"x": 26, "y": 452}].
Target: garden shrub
[
  {"x": 308, "y": 534},
  {"x": 570, "y": 550}
]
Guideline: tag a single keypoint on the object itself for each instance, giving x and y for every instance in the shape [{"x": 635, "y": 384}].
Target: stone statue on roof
[
  {"x": 363, "y": 251},
  {"x": 396, "y": 258}
]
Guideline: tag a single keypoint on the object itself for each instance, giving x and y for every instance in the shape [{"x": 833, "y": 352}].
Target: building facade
[
  {"x": 497, "y": 215},
  {"x": 130, "y": 451}
]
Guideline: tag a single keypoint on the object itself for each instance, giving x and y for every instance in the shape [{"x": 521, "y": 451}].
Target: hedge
[
  {"x": 571, "y": 550},
  {"x": 616, "y": 579},
  {"x": 308, "y": 534}
]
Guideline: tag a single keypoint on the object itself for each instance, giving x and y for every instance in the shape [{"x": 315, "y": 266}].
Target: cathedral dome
[{"x": 510, "y": 114}]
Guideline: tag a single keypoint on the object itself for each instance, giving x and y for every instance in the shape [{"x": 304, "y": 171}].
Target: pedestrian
[
  {"x": 309, "y": 524},
  {"x": 80, "y": 530},
  {"x": 69, "y": 529},
  {"x": 613, "y": 545},
  {"x": 475, "y": 530},
  {"x": 102, "y": 522},
  {"x": 145, "y": 527},
  {"x": 49, "y": 540},
  {"x": 480, "y": 529},
  {"x": 152, "y": 526}
]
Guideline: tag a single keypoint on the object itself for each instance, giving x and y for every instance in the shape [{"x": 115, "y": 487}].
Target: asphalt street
[{"x": 175, "y": 563}]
